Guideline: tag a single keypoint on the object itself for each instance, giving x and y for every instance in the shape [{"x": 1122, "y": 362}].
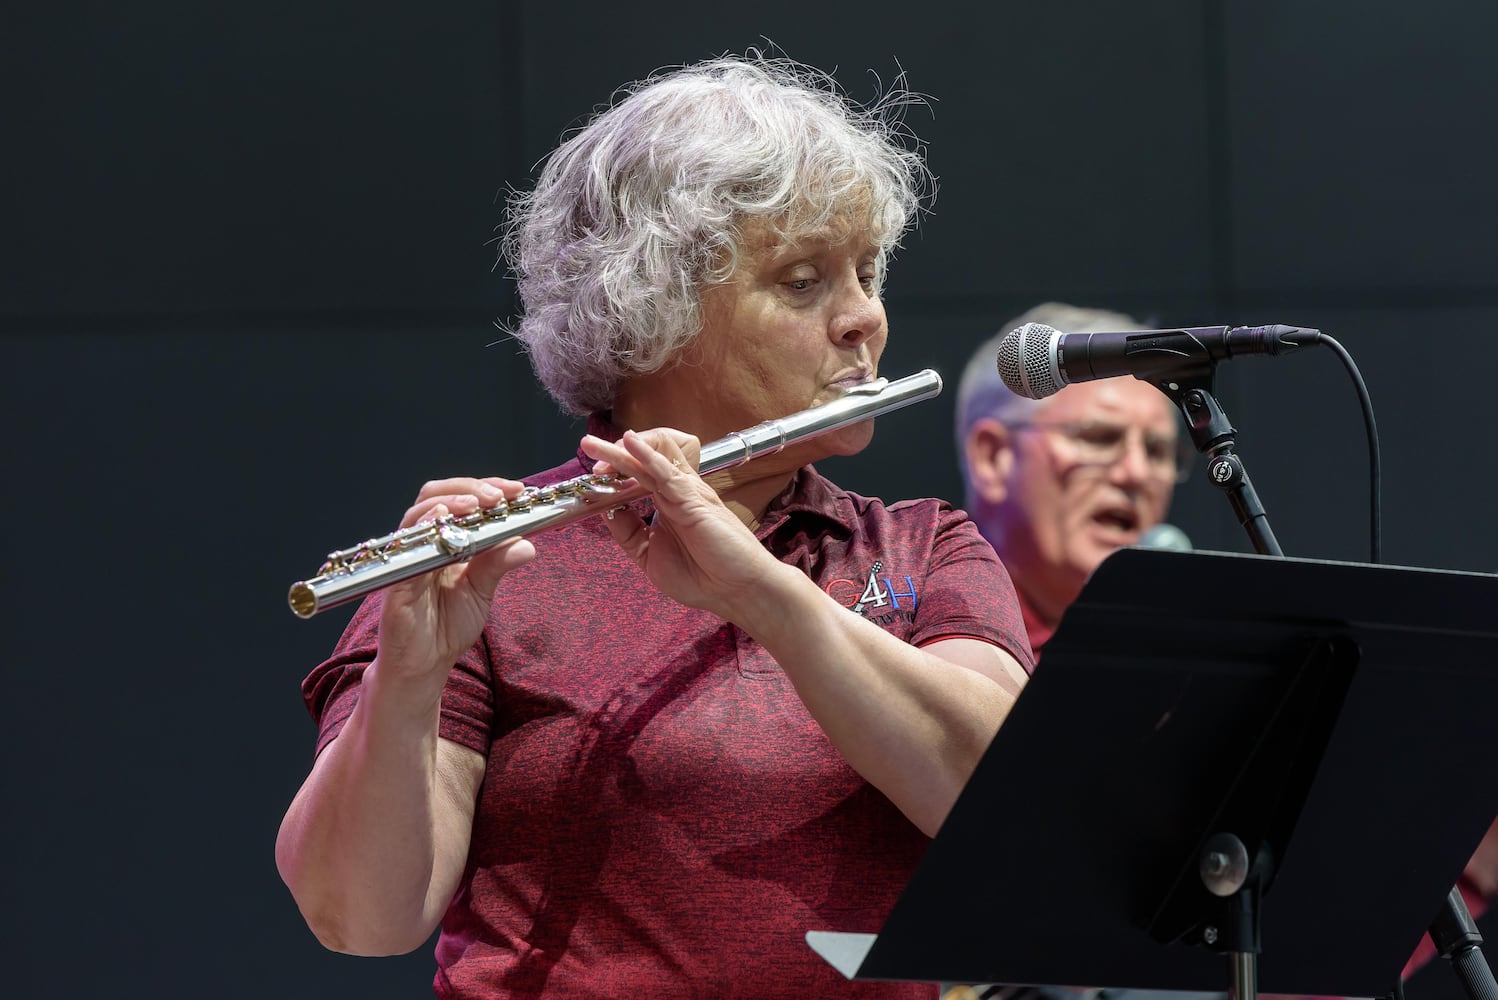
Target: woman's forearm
[
  {"x": 912, "y": 721},
  {"x": 375, "y": 840}
]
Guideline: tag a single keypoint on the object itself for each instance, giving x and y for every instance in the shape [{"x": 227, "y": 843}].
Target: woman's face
[{"x": 796, "y": 324}]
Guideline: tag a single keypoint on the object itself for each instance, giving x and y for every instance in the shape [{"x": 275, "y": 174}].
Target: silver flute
[{"x": 349, "y": 574}]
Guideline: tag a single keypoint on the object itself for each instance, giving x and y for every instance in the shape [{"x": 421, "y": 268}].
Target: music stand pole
[
  {"x": 1455, "y": 935},
  {"x": 1225, "y": 871}
]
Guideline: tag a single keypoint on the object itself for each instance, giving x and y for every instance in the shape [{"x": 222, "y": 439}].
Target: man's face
[{"x": 1091, "y": 470}]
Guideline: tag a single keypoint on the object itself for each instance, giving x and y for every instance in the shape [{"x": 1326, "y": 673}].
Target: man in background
[{"x": 1058, "y": 484}]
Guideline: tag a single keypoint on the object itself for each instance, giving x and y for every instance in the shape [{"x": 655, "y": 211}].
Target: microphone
[
  {"x": 1036, "y": 360},
  {"x": 1165, "y": 536}
]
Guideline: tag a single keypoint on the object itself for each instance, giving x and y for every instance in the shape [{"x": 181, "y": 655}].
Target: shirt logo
[
  {"x": 872, "y": 595},
  {"x": 878, "y": 598}
]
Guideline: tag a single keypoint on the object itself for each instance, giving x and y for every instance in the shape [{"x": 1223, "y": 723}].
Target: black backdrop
[{"x": 246, "y": 289}]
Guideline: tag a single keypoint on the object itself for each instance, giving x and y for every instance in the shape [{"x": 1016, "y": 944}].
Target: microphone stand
[
  {"x": 1214, "y": 436},
  {"x": 1226, "y": 870}
]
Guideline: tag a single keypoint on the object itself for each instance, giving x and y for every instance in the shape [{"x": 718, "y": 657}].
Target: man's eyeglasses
[{"x": 1099, "y": 444}]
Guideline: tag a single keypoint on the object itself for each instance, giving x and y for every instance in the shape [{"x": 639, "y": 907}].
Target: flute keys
[
  {"x": 452, "y": 539},
  {"x": 587, "y": 487}
]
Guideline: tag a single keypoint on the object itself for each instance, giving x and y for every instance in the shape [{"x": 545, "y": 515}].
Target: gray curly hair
[{"x": 639, "y": 210}]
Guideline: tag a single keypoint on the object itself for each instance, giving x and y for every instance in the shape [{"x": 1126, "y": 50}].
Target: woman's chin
[{"x": 852, "y": 439}]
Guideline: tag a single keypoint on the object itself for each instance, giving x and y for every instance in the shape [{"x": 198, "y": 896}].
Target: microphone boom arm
[{"x": 1214, "y": 436}]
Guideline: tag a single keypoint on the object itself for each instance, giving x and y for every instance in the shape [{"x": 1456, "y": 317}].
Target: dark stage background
[{"x": 246, "y": 289}]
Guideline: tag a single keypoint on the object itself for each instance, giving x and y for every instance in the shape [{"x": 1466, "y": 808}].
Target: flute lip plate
[{"x": 869, "y": 388}]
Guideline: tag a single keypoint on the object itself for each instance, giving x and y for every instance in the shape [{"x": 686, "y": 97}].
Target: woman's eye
[{"x": 800, "y": 284}]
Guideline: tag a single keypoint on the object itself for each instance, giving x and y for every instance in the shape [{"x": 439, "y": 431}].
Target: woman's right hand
[{"x": 428, "y": 622}]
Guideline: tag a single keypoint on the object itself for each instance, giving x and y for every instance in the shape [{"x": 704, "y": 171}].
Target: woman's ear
[{"x": 990, "y": 458}]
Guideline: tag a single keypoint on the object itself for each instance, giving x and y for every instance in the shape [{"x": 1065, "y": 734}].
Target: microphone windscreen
[
  {"x": 1027, "y": 361},
  {"x": 1165, "y": 536}
]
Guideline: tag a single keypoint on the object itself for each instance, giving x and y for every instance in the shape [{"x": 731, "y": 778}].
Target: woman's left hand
[{"x": 695, "y": 550}]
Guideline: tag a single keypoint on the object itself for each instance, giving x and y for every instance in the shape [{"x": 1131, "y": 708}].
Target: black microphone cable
[{"x": 1375, "y": 465}]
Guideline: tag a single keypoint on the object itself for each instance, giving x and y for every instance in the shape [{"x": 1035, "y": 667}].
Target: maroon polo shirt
[{"x": 661, "y": 816}]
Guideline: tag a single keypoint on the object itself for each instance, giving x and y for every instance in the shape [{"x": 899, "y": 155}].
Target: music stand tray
[{"x": 1338, "y": 716}]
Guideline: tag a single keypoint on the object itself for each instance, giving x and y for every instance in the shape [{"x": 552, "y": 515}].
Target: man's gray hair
[
  {"x": 982, "y": 392},
  {"x": 644, "y": 206}
]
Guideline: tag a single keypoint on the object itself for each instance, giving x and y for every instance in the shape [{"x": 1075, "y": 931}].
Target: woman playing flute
[{"x": 643, "y": 754}]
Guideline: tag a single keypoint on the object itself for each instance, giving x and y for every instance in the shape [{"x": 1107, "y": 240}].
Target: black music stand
[{"x": 1339, "y": 716}]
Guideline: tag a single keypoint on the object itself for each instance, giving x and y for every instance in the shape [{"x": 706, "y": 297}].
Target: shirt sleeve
[
  {"x": 331, "y": 690},
  {"x": 967, "y": 591}
]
